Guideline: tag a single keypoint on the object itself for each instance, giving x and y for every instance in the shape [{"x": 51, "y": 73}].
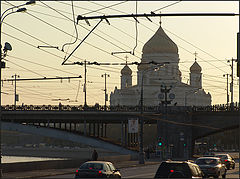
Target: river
[{"x": 15, "y": 159}]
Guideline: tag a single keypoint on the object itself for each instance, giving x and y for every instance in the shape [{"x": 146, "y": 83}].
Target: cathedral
[{"x": 156, "y": 80}]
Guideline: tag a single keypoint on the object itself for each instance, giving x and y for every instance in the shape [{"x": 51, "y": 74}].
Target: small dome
[
  {"x": 126, "y": 70},
  {"x": 160, "y": 43},
  {"x": 195, "y": 68}
]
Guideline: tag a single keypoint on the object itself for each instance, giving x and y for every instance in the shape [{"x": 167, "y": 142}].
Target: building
[{"x": 160, "y": 49}]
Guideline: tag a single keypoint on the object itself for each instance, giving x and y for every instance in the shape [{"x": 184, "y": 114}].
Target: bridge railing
[{"x": 157, "y": 109}]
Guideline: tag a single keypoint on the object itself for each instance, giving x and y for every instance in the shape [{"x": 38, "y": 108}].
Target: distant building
[{"x": 160, "y": 48}]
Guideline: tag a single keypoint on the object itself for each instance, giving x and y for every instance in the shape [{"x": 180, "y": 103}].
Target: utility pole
[
  {"x": 165, "y": 90},
  {"x": 227, "y": 88},
  {"x": 15, "y": 90},
  {"x": 231, "y": 84},
  {"x": 105, "y": 89},
  {"x": 85, "y": 83}
]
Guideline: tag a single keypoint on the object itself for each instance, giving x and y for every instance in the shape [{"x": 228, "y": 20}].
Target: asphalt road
[{"x": 149, "y": 172}]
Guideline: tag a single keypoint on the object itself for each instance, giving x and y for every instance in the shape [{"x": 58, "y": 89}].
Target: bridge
[{"x": 179, "y": 127}]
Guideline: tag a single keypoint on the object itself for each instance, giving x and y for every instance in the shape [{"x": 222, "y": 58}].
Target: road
[{"x": 149, "y": 171}]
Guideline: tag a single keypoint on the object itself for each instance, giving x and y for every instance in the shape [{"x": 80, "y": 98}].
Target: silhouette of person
[{"x": 94, "y": 155}]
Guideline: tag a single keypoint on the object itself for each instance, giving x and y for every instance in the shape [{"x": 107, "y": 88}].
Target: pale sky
[{"x": 48, "y": 23}]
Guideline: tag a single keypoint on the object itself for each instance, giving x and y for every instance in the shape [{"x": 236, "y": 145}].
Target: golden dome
[
  {"x": 126, "y": 70},
  {"x": 195, "y": 68},
  {"x": 160, "y": 43}
]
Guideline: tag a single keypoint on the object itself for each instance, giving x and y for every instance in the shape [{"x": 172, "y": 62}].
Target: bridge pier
[{"x": 176, "y": 136}]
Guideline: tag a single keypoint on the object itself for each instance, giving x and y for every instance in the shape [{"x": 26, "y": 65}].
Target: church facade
[{"x": 167, "y": 76}]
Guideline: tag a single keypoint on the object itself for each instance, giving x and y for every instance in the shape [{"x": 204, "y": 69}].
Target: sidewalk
[{"x": 54, "y": 172}]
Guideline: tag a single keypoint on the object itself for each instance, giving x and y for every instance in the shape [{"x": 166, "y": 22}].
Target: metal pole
[
  {"x": 1, "y": 95},
  {"x": 85, "y": 83},
  {"x": 232, "y": 85},
  {"x": 141, "y": 154},
  {"x": 105, "y": 105},
  {"x": 15, "y": 92},
  {"x": 227, "y": 89},
  {"x": 105, "y": 75},
  {"x": 238, "y": 58}
]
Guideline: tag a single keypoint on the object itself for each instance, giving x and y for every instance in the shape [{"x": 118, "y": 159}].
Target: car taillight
[
  {"x": 171, "y": 171},
  {"x": 100, "y": 173}
]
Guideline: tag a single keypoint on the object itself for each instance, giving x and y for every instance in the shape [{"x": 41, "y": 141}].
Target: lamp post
[
  {"x": 141, "y": 153},
  {"x": 2, "y": 64}
]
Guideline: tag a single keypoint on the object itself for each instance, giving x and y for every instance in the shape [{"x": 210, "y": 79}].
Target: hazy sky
[{"x": 51, "y": 23}]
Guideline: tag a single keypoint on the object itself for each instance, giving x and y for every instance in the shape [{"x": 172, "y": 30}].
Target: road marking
[{"x": 148, "y": 175}]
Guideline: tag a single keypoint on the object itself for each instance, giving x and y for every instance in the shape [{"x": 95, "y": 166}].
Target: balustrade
[{"x": 157, "y": 109}]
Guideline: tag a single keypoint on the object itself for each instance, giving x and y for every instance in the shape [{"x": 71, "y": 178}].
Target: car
[
  {"x": 212, "y": 167},
  {"x": 97, "y": 169},
  {"x": 178, "y": 169},
  {"x": 227, "y": 160}
]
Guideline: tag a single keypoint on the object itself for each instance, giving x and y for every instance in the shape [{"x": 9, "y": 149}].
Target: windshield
[
  {"x": 222, "y": 156},
  {"x": 206, "y": 161},
  {"x": 95, "y": 166}
]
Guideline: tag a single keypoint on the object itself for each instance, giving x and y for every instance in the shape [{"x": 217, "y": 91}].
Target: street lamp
[
  {"x": 2, "y": 65},
  {"x": 141, "y": 153}
]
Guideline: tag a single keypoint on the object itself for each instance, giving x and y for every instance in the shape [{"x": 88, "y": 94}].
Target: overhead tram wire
[
  {"x": 42, "y": 65},
  {"x": 178, "y": 36},
  {"x": 167, "y": 6},
  {"x": 191, "y": 52},
  {"x": 32, "y": 37},
  {"x": 74, "y": 23},
  {"x": 30, "y": 10},
  {"x": 186, "y": 41},
  {"x": 106, "y": 7},
  {"x": 136, "y": 31},
  {"x": 198, "y": 56},
  {"x": 26, "y": 69},
  {"x": 70, "y": 35},
  {"x": 195, "y": 46},
  {"x": 87, "y": 30},
  {"x": 93, "y": 32}
]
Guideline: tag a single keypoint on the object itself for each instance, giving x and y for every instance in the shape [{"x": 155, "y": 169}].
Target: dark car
[
  {"x": 97, "y": 169},
  {"x": 227, "y": 160},
  {"x": 178, "y": 169},
  {"x": 212, "y": 167}
]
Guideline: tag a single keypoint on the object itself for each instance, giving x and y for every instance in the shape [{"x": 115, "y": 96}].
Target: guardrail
[{"x": 222, "y": 107}]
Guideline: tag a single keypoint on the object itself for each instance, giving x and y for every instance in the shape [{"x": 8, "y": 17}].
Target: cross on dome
[
  {"x": 195, "y": 55},
  {"x": 126, "y": 58},
  {"x": 160, "y": 19}
]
